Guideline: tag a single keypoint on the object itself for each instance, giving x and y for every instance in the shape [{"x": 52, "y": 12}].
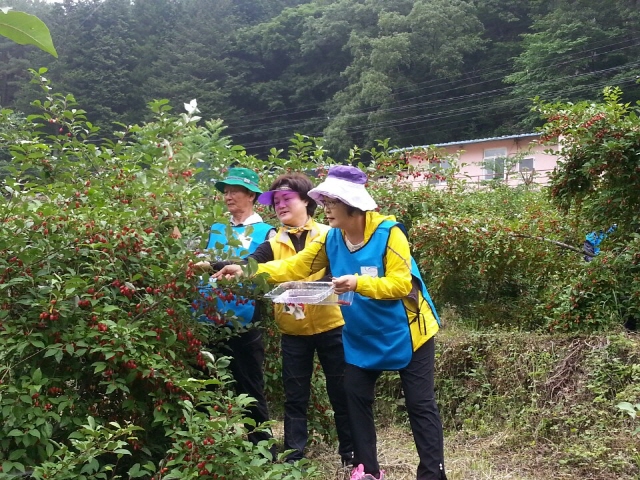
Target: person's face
[
  {"x": 336, "y": 213},
  {"x": 238, "y": 199},
  {"x": 290, "y": 208}
]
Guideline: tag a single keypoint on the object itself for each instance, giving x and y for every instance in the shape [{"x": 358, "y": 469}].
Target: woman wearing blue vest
[
  {"x": 391, "y": 323},
  {"x": 240, "y": 189}
]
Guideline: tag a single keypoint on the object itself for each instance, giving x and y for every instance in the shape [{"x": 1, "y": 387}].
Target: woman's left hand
[{"x": 345, "y": 283}]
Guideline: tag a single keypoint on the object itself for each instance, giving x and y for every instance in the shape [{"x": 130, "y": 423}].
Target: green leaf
[
  {"x": 15, "y": 433},
  {"x": 99, "y": 367},
  {"x": 134, "y": 471},
  {"x": 91, "y": 467},
  {"x": 37, "y": 376},
  {"x": 51, "y": 351},
  {"x": 17, "y": 454},
  {"x": 25, "y": 29},
  {"x": 628, "y": 408}
]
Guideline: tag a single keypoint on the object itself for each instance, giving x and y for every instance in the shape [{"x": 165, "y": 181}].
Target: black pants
[
  {"x": 247, "y": 367},
  {"x": 297, "y": 369},
  {"x": 589, "y": 251},
  {"x": 417, "y": 384}
]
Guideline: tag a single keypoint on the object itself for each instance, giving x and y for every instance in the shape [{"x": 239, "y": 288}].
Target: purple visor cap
[{"x": 266, "y": 198}]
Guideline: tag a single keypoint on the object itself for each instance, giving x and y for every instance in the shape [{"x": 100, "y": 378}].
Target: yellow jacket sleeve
[
  {"x": 396, "y": 282},
  {"x": 306, "y": 262}
]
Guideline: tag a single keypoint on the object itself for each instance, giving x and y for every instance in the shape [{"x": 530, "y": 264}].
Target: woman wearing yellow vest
[{"x": 319, "y": 331}]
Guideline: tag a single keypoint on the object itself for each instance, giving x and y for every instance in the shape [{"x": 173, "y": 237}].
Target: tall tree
[
  {"x": 417, "y": 71},
  {"x": 97, "y": 41},
  {"x": 577, "y": 47},
  {"x": 13, "y": 71},
  {"x": 193, "y": 61},
  {"x": 496, "y": 111},
  {"x": 402, "y": 51},
  {"x": 282, "y": 76}
]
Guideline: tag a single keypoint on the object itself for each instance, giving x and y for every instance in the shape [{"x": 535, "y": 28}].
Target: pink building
[{"x": 513, "y": 159}]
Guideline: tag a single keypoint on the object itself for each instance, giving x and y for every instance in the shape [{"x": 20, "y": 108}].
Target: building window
[
  {"x": 525, "y": 165},
  {"x": 493, "y": 163},
  {"x": 439, "y": 170}
]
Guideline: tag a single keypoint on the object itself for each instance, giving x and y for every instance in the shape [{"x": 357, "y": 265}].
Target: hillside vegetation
[{"x": 353, "y": 71}]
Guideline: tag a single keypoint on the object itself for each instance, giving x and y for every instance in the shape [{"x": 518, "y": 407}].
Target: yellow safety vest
[{"x": 318, "y": 318}]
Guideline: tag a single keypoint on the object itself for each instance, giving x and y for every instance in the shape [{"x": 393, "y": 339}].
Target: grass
[{"x": 519, "y": 406}]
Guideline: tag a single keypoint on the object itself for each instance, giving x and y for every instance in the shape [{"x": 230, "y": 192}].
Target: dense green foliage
[
  {"x": 547, "y": 402},
  {"x": 415, "y": 71},
  {"x": 101, "y": 365},
  {"x": 596, "y": 184}
]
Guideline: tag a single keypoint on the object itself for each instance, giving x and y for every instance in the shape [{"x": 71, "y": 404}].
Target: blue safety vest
[
  {"x": 376, "y": 334},
  {"x": 259, "y": 233}
]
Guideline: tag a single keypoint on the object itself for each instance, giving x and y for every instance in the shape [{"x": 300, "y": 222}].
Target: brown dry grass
[
  {"x": 396, "y": 454},
  {"x": 467, "y": 459}
]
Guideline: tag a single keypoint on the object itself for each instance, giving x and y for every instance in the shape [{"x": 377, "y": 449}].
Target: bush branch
[{"x": 544, "y": 239}]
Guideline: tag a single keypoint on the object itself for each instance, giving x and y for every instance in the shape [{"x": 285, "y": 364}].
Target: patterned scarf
[{"x": 296, "y": 230}]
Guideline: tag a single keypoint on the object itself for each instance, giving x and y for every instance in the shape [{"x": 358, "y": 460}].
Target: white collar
[{"x": 250, "y": 220}]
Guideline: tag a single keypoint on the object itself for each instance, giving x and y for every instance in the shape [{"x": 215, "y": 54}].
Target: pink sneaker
[{"x": 358, "y": 474}]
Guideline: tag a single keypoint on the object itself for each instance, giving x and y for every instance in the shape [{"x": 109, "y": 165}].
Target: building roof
[{"x": 466, "y": 142}]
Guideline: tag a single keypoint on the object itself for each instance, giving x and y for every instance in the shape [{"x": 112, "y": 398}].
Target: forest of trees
[{"x": 352, "y": 71}]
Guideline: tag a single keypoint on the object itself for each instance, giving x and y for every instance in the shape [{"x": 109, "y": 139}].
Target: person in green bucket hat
[
  {"x": 242, "y": 177},
  {"x": 240, "y": 191}
]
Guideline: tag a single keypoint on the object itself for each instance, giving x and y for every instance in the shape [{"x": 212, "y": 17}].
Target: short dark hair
[{"x": 299, "y": 183}]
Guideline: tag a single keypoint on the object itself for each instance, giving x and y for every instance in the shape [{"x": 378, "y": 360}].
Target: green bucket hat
[{"x": 240, "y": 176}]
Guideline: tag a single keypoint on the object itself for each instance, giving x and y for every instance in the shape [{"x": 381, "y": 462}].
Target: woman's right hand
[
  {"x": 203, "y": 266},
  {"x": 228, "y": 272}
]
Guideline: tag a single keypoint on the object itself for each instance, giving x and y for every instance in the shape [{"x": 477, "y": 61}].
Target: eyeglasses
[{"x": 330, "y": 203}]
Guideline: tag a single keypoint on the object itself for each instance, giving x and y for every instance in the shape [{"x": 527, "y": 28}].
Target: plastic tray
[{"x": 308, "y": 293}]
